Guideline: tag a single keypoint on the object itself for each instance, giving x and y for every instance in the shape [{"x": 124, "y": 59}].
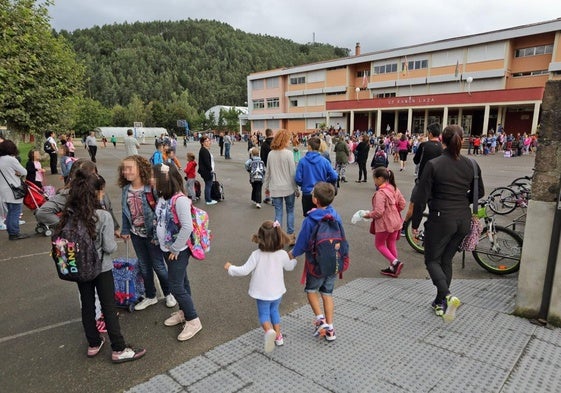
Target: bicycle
[
  {"x": 498, "y": 251},
  {"x": 504, "y": 200}
]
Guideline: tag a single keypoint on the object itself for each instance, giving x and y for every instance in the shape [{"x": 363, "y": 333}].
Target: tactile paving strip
[{"x": 388, "y": 340}]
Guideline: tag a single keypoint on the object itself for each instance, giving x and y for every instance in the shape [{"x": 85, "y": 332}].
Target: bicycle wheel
[
  {"x": 499, "y": 252},
  {"x": 502, "y": 200},
  {"x": 525, "y": 181},
  {"x": 416, "y": 242}
]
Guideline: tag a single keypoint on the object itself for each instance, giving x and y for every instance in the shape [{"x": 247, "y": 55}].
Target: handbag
[
  {"x": 469, "y": 242},
  {"x": 18, "y": 191}
]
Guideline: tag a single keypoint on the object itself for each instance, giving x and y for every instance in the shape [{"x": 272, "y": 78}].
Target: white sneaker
[
  {"x": 21, "y": 222},
  {"x": 3, "y": 226},
  {"x": 191, "y": 328},
  {"x": 175, "y": 319},
  {"x": 170, "y": 301},
  {"x": 213, "y": 202},
  {"x": 258, "y": 205},
  {"x": 269, "y": 340},
  {"x": 146, "y": 302}
]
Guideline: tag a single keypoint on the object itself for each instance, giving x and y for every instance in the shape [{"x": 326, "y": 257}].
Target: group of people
[{"x": 153, "y": 194}]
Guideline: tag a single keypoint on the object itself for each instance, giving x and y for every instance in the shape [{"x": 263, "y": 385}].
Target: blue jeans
[
  {"x": 289, "y": 201},
  {"x": 227, "y": 150},
  {"x": 150, "y": 258},
  {"x": 12, "y": 218},
  {"x": 208, "y": 187},
  {"x": 268, "y": 311},
  {"x": 179, "y": 283},
  {"x": 323, "y": 285}
]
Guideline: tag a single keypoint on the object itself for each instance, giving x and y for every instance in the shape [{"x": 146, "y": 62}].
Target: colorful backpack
[
  {"x": 329, "y": 248},
  {"x": 199, "y": 241},
  {"x": 74, "y": 253},
  {"x": 256, "y": 171}
]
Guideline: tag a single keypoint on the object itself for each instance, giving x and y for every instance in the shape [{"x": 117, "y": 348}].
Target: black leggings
[{"x": 361, "y": 170}]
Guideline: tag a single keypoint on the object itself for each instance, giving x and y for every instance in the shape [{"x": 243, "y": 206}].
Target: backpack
[
  {"x": 329, "y": 249},
  {"x": 74, "y": 253},
  {"x": 47, "y": 147},
  {"x": 199, "y": 241},
  {"x": 256, "y": 171},
  {"x": 379, "y": 159}
]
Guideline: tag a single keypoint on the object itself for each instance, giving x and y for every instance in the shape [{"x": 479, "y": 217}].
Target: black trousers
[
  {"x": 106, "y": 292},
  {"x": 256, "y": 188},
  {"x": 53, "y": 162},
  {"x": 443, "y": 235},
  {"x": 93, "y": 151},
  {"x": 361, "y": 170}
]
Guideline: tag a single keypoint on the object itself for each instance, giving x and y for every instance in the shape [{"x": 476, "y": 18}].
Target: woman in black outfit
[
  {"x": 361, "y": 153},
  {"x": 206, "y": 167},
  {"x": 446, "y": 184}
]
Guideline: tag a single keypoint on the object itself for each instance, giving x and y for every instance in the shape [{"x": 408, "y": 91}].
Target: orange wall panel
[
  {"x": 296, "y": 125},
  {"x": 483, "y": 66},
  {"x": 336, "y": 77},
  {"x": 527, "y": 81},
  {"x": 530, "y": 63}
]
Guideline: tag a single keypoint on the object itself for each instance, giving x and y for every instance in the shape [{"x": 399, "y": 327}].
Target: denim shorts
[{"x": 323, "y": 285}]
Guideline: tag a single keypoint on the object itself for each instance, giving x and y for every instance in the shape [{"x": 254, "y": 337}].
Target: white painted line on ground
[{"x": 38, "y": 330}]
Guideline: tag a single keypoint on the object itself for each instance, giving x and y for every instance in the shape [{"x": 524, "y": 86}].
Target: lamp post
[{"x": 357, "y": 90}]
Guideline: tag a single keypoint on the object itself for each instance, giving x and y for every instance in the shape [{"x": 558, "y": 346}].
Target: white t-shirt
[{"x": 267, "y": 268}]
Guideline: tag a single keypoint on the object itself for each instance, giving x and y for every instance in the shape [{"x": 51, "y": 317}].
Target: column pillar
[
  {"x": 378, "y": 122},
  {"x": 327, "y": 120},
  {"x": 369, "y": 120},
  {"x": 444, "y": 117},
  {"x": 409, "y": 118},
  {"x": 426, "y": 121},
  {"x": 535, "y": 117},
  {"x": 460, "y": 114},
  {"x": 486, "y": 120},
  {"x": 352, "y": 123},
  {"x": 395, "y": 120}
]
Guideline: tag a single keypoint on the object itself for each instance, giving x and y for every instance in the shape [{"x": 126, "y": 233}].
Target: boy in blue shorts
[{"x": 316, "y": 283}]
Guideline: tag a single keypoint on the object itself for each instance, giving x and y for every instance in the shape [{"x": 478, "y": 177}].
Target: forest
[{"x": 201, "y": 63}]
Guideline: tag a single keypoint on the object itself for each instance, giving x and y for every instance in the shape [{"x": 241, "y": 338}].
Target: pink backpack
[{"x": 199, "y": 241}]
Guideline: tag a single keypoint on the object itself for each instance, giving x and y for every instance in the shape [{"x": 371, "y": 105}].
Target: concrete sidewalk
[{"x": 388, "y": 340}]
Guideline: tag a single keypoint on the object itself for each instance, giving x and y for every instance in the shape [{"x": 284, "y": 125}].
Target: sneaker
[
  {"x": 3, "y": 226},
  {"x": 452, "y": 304},
  {"x": 213, "y": 202},
  {"x": 388, "y": 272},
  {"x": 21, "y": 222},
  {"x": 258, "y": 205},
  {"x": 402, "y": 232},
  {"x": 439, "y": 308},
  {"x": 170, "y": 301},
  {"x": 279, "y": 340},
  {"x": 175, "y": 319},
  {"x": 191, "y": 328},
  {"x": 19, "y": 236},
  {"x": 330, "y": 335},
  {"x": 100, "y": 325},
  {"x": 292, "y": 239},
  {"x": 127, "y": 355},
  {"x": 269, "y": 340},
  {"x": 320, "y": 325},
  {"x": 397, "y": 268},
  {"x": 92, "y": 351},
  {"x": 146, "y": 302}
]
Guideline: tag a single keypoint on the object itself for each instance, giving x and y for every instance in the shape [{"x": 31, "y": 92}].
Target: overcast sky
[{"x": 376, "y": 24}]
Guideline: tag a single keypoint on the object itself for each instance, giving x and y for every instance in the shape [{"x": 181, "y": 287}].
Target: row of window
[
  {"x": 534, "y": 51},
  {"x": 297, "y": 80},
  {"x": 530, "y": 73},
  {"x": 271, "y": 103}
]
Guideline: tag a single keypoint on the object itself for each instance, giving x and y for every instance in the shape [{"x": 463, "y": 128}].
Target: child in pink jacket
[{"x": 387, "y": 204}]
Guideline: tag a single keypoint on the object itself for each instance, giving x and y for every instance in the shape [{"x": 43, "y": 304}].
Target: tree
[
  {"x": 89, "y": 115},
  {"x": 39, "y": 74}
]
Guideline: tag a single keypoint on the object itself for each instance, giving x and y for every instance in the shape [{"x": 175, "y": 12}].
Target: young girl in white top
[{"x": 267, "y": 264}]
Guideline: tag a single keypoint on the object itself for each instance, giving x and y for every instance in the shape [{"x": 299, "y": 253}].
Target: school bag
[
  {"x": 329, "y": 248},
  {"x": 74, "y": 253},
  {"x": 199, "y": 240},
  {"x": 256, "y": 171},
  {"x": 47, "y": 147},
  {"x": 380, "y": 159}
]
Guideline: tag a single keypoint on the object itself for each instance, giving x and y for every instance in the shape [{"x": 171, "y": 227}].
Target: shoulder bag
[
  {"x": 469, "y": 243},
  {"x": 18, "y": 191}
]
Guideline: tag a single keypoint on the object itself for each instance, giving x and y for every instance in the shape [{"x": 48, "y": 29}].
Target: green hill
[{"x": 208, "y": 59}]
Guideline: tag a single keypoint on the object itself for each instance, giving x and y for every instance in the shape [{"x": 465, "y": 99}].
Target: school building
[{"x": 478, "y": 81}]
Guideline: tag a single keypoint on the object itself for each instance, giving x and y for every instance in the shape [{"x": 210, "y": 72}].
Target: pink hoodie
[{"x": 387, "y": 204}]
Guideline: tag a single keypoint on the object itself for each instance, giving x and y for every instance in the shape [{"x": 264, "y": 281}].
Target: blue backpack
[{"x": 329, "y": 249}]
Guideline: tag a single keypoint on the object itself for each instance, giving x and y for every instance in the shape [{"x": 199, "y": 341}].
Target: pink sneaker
[{"x": 92, "y": 351}]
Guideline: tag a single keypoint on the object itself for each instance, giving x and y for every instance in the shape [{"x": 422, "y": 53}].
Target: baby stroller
[{"x": 34, "y": 199}]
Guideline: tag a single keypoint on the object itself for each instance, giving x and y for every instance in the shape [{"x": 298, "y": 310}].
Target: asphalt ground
[{"x": 42, "y": 344}]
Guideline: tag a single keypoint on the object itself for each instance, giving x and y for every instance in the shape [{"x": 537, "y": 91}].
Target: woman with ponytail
[{"x": 445, "y": 184}]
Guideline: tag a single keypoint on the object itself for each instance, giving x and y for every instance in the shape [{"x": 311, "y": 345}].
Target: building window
[
  {"x": 534, "y": 51},
  {"x": 272, "y": 83},
  {"x": 297, "y": 80},
  {"x": 417, "y": 64},
  {"x": 530, "y": 73},
  {"x": 258, "y": 104},
  {"x": 294, "y": 103},
  {"x": 273, "y": 102},
  {"x": 385, "y": 95},
  {"x": 361, "y": 74},
  {"x": 386, "y": 68},
  {"x": 258, "y": 84}
]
